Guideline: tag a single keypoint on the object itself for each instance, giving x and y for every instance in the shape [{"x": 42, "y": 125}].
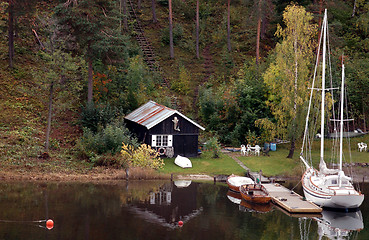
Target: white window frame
[{"x": 158, "y": 141}]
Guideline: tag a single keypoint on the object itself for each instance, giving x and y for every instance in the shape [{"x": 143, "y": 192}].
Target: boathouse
[{"x": 168, "y": 131}]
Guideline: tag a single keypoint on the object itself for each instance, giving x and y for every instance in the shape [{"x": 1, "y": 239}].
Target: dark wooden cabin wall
[
  {"x": 167, "y": 127},
  {"x": 140, "y": 131}
]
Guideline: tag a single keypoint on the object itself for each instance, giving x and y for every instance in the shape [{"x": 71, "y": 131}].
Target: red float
[{"x": 49, "y": 224}]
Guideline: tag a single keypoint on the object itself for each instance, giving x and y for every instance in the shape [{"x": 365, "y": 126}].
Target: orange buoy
[
  {"x": 49, "y": 224},
  {"x": 180, "y": 223}
]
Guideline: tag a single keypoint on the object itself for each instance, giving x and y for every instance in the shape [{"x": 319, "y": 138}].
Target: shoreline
[{"x": 97, "y": 175}]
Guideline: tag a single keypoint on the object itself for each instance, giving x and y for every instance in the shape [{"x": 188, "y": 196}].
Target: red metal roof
[{"x": 152, "y": 113}]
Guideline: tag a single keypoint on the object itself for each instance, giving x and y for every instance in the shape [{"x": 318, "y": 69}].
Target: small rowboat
[
  {"x": 235, "y": 182},
  {"x": 255, "y": 193}
]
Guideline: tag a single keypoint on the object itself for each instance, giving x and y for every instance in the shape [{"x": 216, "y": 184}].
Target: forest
[{"x": 72, "y": 69}]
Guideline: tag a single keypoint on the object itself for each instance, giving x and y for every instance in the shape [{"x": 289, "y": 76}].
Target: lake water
[{"x": 152, "y": 210}]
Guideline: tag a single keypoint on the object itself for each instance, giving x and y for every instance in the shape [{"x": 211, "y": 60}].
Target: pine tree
[{"x": 95, "y": 30}]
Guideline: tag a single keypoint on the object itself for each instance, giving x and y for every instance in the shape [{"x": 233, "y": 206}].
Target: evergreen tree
[{"x": 93, "y": 25}]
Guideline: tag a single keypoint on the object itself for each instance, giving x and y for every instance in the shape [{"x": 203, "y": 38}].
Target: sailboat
[{"x": 327, "y": 187}]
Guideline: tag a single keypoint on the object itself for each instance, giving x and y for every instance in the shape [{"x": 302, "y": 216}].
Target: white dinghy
[
  {"x": 183, "y": 162},
  {"x": 235, "y": 182}
]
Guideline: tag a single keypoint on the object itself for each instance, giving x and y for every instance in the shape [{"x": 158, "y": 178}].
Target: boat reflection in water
[
  {"x": 234, "y": 197},
  {"x": 245, "y": 206},
  {"x": 339, "y": 225},
  {"x": 330, "y": 224}
]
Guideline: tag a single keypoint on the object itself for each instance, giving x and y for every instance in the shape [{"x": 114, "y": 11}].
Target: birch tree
[{"x": 287, "y": 77}]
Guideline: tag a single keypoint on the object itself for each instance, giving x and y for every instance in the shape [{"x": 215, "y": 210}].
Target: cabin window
[
  {"x": 334, "y": 181},
  {"x": 162, "y": 141}
]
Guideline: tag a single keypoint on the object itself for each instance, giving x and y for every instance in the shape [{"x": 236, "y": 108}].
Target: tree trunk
[
  {"x": 171, "y": 30},
  {"x": 258, "y": 41},
  {"x": 364, "y": 118},
  {"x": 139, "y": 4},
  {"x": 229, "y": 26},
  {"x": 153, "y": 3},
  {"x": 354, "y": 9},
  {"x": 120, "y": 12},
  {"x": 125, "y": 22},
  {"x": 197, "y": 29},
  {"x": 90, "y": 82},
  {"x": 11, "y": 33},
  {"x": 292, "y": 148},
  {"x": 48, "y": 130}
]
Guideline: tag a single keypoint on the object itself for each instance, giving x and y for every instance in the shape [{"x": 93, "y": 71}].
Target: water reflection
[
  {"x": 152, "y": 210},
  {"x": 245, "y": 206},
  {"x": 254, "y": 207},
  {"x": 339, "y": 225},
  {"x": 330, "y": 224},
  {"x": 234, "y": 197},
  {"x": 170, "y": 203}
]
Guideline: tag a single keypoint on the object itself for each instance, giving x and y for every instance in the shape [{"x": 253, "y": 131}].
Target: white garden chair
[
  {"x": 248, "y": 149},
  {"x": 360, "y": 146},
  {"x": 243, "y": 150},
  {"x": 257, "y": 150}
]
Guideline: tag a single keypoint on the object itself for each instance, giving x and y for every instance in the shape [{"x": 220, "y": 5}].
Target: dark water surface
[{"x": 152, "y": 210}]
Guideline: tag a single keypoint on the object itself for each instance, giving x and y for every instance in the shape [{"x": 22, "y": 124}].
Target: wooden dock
[
  {"x": 255, "y": 176},
  {"x": 289, "y": 200}
]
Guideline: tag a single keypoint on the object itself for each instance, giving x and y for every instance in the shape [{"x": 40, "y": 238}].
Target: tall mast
[
  {"x": 341, "y": 119},
  {"x": 323, "y": 85}
]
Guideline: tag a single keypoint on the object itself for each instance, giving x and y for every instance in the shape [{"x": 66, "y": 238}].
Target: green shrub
[
  {"x": 110, "y": 160},
  {"x": 177, "y": 34},
  {"x": 182, "y": 84},
  {"x": 252, "y": 138},
  {"x": 94, "y": 116},
  {"x": 108, "y": 140},
  {"x": 213, "y": 145}
]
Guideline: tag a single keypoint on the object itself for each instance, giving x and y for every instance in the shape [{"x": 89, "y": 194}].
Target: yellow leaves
[
  {"x": 144, "y": 156},
  {"x": 288, "y": 75}
]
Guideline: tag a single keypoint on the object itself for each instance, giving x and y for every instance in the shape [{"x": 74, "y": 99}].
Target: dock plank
[{"x": 289, "y": 200}]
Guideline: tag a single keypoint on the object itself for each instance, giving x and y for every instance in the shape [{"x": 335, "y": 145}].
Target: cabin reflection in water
[
  {"x": 162, "y": 197},
  {"x": 173, "y": 202}
]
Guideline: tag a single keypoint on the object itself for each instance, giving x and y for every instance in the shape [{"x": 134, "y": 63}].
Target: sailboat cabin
[{"x": 168, "y": 131}]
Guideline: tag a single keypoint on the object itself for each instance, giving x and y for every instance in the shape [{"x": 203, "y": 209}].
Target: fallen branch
[{"x": 42, "y": 46}]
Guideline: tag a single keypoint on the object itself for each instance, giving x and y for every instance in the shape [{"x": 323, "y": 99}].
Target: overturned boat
[{"x": 183, "y": 162}]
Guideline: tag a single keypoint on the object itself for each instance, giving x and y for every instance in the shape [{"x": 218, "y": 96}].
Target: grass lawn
[
  {"x": 205, "y": 164},
  {"x": 278, "y": 164},
  {"x": 275, "y": 165}
]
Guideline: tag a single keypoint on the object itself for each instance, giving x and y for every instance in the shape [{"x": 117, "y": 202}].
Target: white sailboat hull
[{"x": 343, "y": 197}]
